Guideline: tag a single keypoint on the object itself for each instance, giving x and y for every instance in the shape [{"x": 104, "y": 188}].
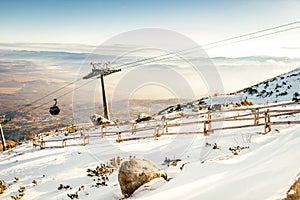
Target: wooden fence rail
[
  {"x": 208, "y": 131},
  {"x": 162, "y": 126},
  {"x": 42, "y": 143},
  {"x": 207, "y": 124}
]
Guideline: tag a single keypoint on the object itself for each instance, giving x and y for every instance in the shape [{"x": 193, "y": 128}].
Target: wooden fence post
[
  {"x": 133, "y": 131},
  {"x": 43, "y": 144},
  {"x": 256, "y": 116},
  {"x": 267, "y": 127},
  {"x": 119, "y": 137},
  {"x": 83, "y": 140},
  {"x": 156, "y": 133},
  {"x": 204, "y": 128},
  {"x": 86, "y": 138},
  {"x": 209, "y": 120},
  {"x": 269, "y": 120},
  {"x": 103, "y": 129},
  {"x": 34, "y": 142},
  {"x": 207, "y": 124},
  {"x": 166, "y": 125},
  {"x": 64, "y": 143},
  {"x": 163, "y": 120}
]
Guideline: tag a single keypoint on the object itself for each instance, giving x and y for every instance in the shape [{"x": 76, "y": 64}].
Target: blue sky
[{"x": 92, "y": 22}]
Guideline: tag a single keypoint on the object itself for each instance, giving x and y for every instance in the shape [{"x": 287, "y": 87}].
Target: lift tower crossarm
[
  {"x": 100, "y": 69},
  {"x": 101, "y": 72}
]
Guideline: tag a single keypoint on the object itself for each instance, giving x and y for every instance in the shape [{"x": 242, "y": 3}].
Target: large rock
[
  {"x": 143, "y": 117},
  {"x": 99, "y": 120},
  {"x": 136, "y": 172}
]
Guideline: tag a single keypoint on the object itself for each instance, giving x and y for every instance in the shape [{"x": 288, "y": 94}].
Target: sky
[{"x": 93, "y": 22}]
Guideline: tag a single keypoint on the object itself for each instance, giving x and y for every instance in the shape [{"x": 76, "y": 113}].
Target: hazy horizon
[
  {"x": 60, "y": 66},
  {"x": 93, "y": 22}
]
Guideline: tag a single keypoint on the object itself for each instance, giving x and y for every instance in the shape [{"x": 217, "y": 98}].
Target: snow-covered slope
[
  {"x": 282, "y": 88},
  {"x": 264, "y": 168}
]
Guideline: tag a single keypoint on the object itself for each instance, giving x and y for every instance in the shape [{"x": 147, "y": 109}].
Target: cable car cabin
[{"x": 54, "y": 110}]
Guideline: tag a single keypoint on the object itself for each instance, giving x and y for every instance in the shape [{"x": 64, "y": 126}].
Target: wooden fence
[
  {"x": 256, "y": 114},
  {"x": 161, "y": 127},
  {"x": 42, "y": 143}
]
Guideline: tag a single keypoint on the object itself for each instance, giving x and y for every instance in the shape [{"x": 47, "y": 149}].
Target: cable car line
[
  {"x": 254, "y": 37},
  {"x": 47, "y": 95},
  {"x": 252, "y": 33},
  {"x": 62, "y": 95},
  {"x": 212, "y": 43},
  {"x": 233, "y": 42}
]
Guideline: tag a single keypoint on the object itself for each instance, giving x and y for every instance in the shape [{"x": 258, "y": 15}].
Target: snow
[
  {"x": 265, "y": 170},
  {"x": 280, "y": 88},
  {"x": 259, "y": 174}
]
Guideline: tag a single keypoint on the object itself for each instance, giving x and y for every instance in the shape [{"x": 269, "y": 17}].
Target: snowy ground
[{"x": 264, "y": 171}]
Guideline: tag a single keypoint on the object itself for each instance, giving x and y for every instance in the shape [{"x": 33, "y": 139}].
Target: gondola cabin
[{"x": 54, "y": 110}]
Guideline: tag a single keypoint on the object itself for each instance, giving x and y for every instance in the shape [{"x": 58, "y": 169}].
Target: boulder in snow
[
  {"x": 135, "y": 173},
  {"x": 216, "y": 107},
  {"x": 143, "y": 117},
  {"x": 99, "y": 120}
]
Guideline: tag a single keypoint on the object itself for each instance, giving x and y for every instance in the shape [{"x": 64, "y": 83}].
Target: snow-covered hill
[
  {"x": 281, "y": 88},
  {"x": 262, "y": 167}
]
